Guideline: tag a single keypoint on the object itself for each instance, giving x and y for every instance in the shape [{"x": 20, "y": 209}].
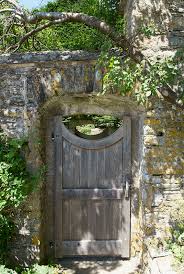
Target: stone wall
[
  {"x": 163, "y": 177},
  {"x": 30, "y": 83},
  {"x": 33, "y": 90},
  {"x": 27, "y": 81},
  {"x": 167, "y": 17},
  {"x": 163, "y": 164}
]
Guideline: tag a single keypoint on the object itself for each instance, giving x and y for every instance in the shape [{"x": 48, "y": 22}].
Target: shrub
[
  {"x": 35, "y": 269},
  {"x": 176, "y": 242},
  {"x": 15, "y": 185},
  {"x": 42, "y": 269},
  {"x": 4, "y": 270}
]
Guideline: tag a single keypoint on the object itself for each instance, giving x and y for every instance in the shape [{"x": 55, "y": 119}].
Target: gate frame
[{"x": 88, "y": 104}]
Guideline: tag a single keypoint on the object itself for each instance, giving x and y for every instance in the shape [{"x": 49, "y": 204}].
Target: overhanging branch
[{"x": 55, "y": 18}]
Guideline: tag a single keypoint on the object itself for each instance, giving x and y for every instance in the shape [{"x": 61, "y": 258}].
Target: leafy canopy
[
  {"x": 69, "y": 36},
  {"x": 135, "y": 74}
]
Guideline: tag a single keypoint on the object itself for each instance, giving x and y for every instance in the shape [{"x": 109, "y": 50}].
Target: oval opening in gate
[{"x": 92, "y": 126}]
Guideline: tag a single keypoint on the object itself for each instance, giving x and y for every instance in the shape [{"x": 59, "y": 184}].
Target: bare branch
[{"x": 27, "y": 35}]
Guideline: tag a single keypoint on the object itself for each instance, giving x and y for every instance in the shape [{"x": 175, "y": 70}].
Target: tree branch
[
  {"x": 27, "y": 35},
  {"x": 12, "y": 3},
  {"x": 91, "y": 21},
  {"x": 8, "y": 10}
]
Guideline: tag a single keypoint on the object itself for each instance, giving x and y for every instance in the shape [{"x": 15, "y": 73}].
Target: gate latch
[{"x": 127, "y": 186}]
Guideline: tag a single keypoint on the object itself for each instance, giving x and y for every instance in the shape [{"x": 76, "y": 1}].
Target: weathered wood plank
[
  {"x": 92, "y": 168},
  {"x": 116, "y": 216},
  {"x": 84, "y": 168},
  {"x": 91, "y": 220},
  {"x": 58, "y": 186},
  {"x": 66, "y": 219},
  {"x": 125, "y": 227},
  {"x": 101, "y": 168},
  {"x": 127, "y": 147},
  {"x": 76, "y": 166},
  {"x": 85, "y": 229},
  {"x": 92, "y": 248},
  {"x": 113, "y": 166},
  {"x": 108, "y": 219},
  {"x": 67, "y": 164},
  {"x": 76, "y": 220},
  {"x": 95, "y": 219},
  {"x": 92, "y": 144},
  {"x": 92, "y": 194},
  {"x": 125, "y": 214},
  {"x": 100, "y": 220}
]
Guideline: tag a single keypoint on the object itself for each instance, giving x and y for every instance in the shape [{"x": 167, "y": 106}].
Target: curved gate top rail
[{"x": 91, "y": 144}]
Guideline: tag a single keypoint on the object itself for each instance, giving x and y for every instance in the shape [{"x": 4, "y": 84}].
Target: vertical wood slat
[
  {"x": 84, "y": 168},
  {"x": 113, "y": 165},
  {"x": 58, "y": 186},
  {"x": 93, "y": 219},
  {"x": 66, "y": 220},
  {"x": 100, "y": 222},
  {"x": 92, "y": 169},
  {"x": 84, "y": 220},
  {"x": 67, "y": 161},
  {"x": 101, "y": 168},
  {"x": 127, "y": 146},
  {"x": 76, "y": 166},
  {"x": 76, "y": 219},
  {"x": 125, "y": 215},
  {"x": 108, "y": 219},
  {"x": 98, "y": 219}
]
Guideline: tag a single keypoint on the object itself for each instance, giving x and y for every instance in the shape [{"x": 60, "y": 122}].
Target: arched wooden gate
[{"x": 92, "y": 195}]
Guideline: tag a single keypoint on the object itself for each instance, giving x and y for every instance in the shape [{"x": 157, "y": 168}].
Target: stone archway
[{"x": 90, "y": 104}]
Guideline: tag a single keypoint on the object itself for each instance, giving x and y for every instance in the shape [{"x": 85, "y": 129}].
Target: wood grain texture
[
  {"x": 93, "y": 248},
  {"x": 92, "y": 194},
  {"x": 91, "y": 144},
  {"x": 92, "y": 212},
  {"x": 127, "y": 174},
  {"x": 58, "y": 186}
]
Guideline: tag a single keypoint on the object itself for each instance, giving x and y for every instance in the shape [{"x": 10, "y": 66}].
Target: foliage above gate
[{"x": 21, "y": 27}]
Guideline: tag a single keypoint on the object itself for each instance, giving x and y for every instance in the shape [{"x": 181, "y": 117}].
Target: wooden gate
[{"x": 92, "y": 195}]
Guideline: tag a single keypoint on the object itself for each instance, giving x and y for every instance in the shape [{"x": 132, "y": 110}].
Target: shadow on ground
[{"x": 100, "y": 266}]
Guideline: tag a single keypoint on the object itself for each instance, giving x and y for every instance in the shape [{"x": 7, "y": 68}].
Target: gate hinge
[
  {"x": 54, "y": 136},
  {"x": 51, "y": 244}
]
